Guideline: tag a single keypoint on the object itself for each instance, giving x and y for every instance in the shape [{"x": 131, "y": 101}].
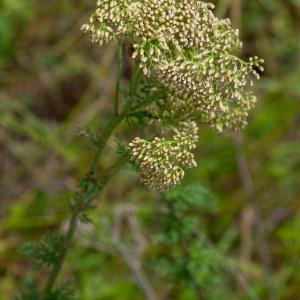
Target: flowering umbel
[
  {"x": 183, "y": 47},
  {"x": 161, "y": 161}
]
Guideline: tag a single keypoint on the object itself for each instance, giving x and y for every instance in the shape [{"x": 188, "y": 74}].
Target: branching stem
[{"x": 103, "y": 180}]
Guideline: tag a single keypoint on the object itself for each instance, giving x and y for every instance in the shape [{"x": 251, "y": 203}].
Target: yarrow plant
[
  {"x": 182, "y": 47},
  {"x": 186, "y": 74},
  {"x": 161, "y": 161}
]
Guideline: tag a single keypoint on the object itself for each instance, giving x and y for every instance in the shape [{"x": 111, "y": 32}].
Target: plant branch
[
  {"x": 104, "y": 138},
  {"x": 135, "y": 80},
  {"x": 101, "y": 182},
  {"x": 105, "y": 178},
  {"x": 116, "y": 121}
]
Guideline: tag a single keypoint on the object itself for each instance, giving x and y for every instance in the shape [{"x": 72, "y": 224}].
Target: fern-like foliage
[
  {"x": 30, "y": 291},
  {"x": 184, "y": 256},
  {"x": 46, "y": 252}
]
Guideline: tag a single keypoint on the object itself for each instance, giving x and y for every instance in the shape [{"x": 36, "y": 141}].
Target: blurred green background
[{"x": 241, "y": 204}]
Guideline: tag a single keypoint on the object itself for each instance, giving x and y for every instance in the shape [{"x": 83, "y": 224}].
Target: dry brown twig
[
  {"x": 133, "y": 254},
  {"x": 251, "y": 220}
]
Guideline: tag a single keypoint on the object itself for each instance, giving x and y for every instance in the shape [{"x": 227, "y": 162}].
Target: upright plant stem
[
  {"x": 104, "y": 179},
  {"x": 136, "y": 77},
  {"x": 118, "y": 76},
  {"x": 104, "y": 138},
  {"x": 107, "y": 176}
]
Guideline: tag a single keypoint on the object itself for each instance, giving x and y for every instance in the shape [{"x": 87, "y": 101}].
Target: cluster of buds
[
  {"x": 212, "y": 86},
  {"x": 186, "y": 49},
  {"x": 111, "y": 21},
  {"x": 161, "y": 162}
]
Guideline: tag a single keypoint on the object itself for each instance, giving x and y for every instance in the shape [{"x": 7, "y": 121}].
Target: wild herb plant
[
  {"x": 185, "y": 257},
  {"x": 186, "y": 74}
]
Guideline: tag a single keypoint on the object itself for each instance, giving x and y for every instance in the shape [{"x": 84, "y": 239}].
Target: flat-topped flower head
[
  {"x": 161, "y": 162},
  {"x": 182, "y": 46}
]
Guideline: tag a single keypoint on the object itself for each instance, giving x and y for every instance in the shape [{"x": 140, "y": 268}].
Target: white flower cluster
[
  {"x": 161, "y": 161},
  {"x": 189, "y": 51},
  {"x": 111, "y": 21},
  {"x": 213, "y": 85}
]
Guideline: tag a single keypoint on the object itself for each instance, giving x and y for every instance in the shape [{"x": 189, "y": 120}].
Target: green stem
[
  {"x": 104, "y": 179},
  {"x": 117, "y": 120},
  {"x": 136, "y": 78},
  {"x": 118, "y": 76},
  {"x": 104, "y": 138}
]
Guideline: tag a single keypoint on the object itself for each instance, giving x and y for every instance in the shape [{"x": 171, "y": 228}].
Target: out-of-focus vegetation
[{"x": 231, "y": 231}]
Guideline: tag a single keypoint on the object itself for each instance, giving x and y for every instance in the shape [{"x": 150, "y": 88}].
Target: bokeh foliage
[{"x": 52, "y": 81}]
